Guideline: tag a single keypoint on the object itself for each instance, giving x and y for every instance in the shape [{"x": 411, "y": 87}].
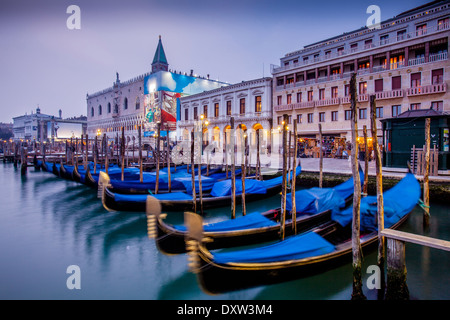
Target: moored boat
[{"x": 308, "y": 253}]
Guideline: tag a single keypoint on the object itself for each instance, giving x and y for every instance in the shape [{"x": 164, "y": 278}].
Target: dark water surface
[{"x": 48, "y": 224}]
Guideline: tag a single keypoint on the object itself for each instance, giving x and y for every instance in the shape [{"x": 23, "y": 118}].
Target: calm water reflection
[{"x": 47, "y": 224}]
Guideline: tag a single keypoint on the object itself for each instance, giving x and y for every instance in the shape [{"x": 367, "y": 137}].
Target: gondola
[
  {"x": 218, "y": 196},
  {"x": 178, "y": 181},
  {"x": 314, "y": 251},
  {"x": 313, "y": 206}
]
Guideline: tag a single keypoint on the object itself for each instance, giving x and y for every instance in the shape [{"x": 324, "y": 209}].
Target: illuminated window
[
  {"x": 421, "y": 30},
  {"x": 242, "y": 106},
  {"x": 258, "y": 104},
  {"x": 334, "y": 92},
  {"x": 363, "y": 87},
  {"x": 443, "y": 23},
  {"x": 216, "y": 110}
]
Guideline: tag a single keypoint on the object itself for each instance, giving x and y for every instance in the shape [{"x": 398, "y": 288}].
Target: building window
[
  {"x": 384, "y": 39},
  {"x": 125, "y": 104},
  {"x": 421, "y": 30},
  {"x": 396, "y": 62},
  {"x": 401, "y": 35},
  {"x": 347, "y": 90},
  {"x": 216, "y": 110},
  {"x": 310, "y": 117},
  {"x": 396, "y": 110},
  {"x": 379, "y": 112},
  {"x": 205, "y": 111},
  {"x": 348, "y": 114},
  {"x": 100, "y": 110},
  {"x": 321, "y": 94},
  {"x": 186, "y": 114},
  {"x": 378, "y": 85},
  {"x": 414, "y": 106},
  {"x": 334, "y": 92},
  {"x": 443, "y": 23},
  {"x": 92, "y": 111},
  {"x": 368, "y": 44},
  {"x": 340, "y": 51},
  {"x": 138, "y": 103},
  {"x": 321, "y": 116},
  {"x": 354, "y": 47},
  {"x": 415, "y": 80},
  {"x": 229, "y": 108},
  {"x": 299, "y": 118},
  {"x": 109, "y": 107},
  {"x": 437, "y": 76},
  {"x": 310, "y": 95},
  {"x": 258, "y": 104},
  {"x": 299, "y": 97},
  {"x": 279, "y": 119},
  {"x": 363, "y": 87},
  {"x": 396, "y": 83},
  {"x": 279, "y": 100},
  {"x": 242, "y": 106},
  {"x": 290, "y": 119},
  {"x": 334, "y": 116},
  {"x": 289, "y": 98},
  {"x": 362, "y": 113},
  {"x": 327, "y": 54},
  {"x": 437, "y": 105},
  {"x": 195, "y": 113}
]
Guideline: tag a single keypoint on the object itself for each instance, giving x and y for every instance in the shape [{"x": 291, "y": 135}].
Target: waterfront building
[
  {"x": 249, "y": 102},
  {"x": 404, "y": 63},
  {"x": 144, "y": 101},
  {"x": 43, "y": 127}
]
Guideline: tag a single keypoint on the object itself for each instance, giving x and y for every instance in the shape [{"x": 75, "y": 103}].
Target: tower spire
[{"x": 159, "y": 60}]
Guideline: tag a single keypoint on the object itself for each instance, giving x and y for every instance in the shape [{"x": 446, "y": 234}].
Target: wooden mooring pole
[
  {"x": 158, "y": 144},
  {"x": 357, "y": 293},
  {"x": 366, "y": 161},
  {"x": 233, "y": 170},
  {"x": 141, "y": 165},
  {"x": 380, "y": 202},
  {"x": 194, "y": 195},
  {"x": 320, "y": 156},
  {"x": 294, "y": 176},
  {"x": 243, "y": 170},
  {"x": 426, "y": 185},
  {"x": 284, "y": 180}
]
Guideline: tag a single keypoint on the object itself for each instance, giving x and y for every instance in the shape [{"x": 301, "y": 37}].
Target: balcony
[
  {"x": 372, "y": 46},
  {"x": 327, "y": 102},
  {"x": 431, "y": 89},
  {"x": 304, "y": 105},
  {"x": 389, "y": 94},
  {"x": 284, "y": 107}
]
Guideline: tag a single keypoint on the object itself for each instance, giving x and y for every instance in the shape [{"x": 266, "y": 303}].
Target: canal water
[{"x": 48, "y": 224}]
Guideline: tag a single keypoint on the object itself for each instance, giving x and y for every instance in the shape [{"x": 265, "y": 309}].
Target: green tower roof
[{"x": 160, "y": 56}]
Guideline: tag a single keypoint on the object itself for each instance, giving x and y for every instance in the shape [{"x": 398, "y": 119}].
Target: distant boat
[{"x": 298, "y": 256}]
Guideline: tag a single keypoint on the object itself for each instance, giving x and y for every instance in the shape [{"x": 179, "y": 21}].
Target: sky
[{"x": 44, "y": 63}]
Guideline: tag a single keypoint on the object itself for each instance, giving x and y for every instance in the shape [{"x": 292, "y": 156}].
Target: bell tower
[{"x": 159, "y": 60}]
